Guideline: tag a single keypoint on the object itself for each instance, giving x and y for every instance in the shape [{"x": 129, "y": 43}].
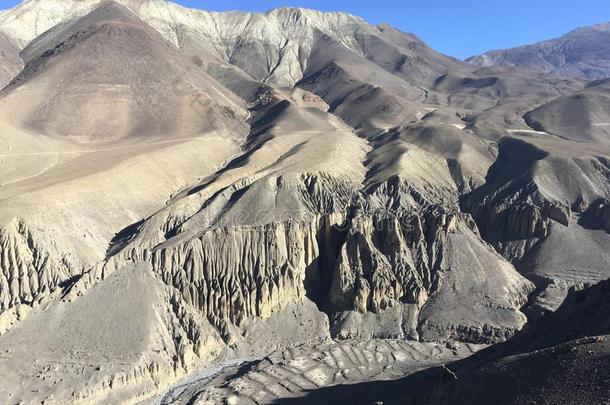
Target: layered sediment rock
[
  {"x": 385, "y": 260},
  {"x": 260, "y": 181}
]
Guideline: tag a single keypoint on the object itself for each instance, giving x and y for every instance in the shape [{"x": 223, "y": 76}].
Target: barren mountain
[
  {"x": 109, "y": 76},
  {"x": 243, "y": 207},
  {"x": 582, "y": 53}
]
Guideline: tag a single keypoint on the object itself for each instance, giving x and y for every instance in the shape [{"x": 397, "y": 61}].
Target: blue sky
[{"x": 460, "y": 28}]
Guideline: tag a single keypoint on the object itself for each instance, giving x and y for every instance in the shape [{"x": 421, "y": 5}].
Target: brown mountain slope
[
  {"x": 108, "y": 76},
  {"x": 581, "y": 116},
  {"x": 10, "y": 61}
]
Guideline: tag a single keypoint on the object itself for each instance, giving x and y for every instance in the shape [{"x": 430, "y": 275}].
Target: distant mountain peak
[{"x": 581, "y": 53}]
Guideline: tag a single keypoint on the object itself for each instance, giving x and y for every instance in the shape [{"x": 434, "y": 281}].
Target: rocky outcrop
[
  {"x": 514, "y": 227},
  {"x": 240, "y": 272},
  {"x": 253, "y": 249},
  {"x": 515, "y": 208},
  {"x": 30, "y": 265},
  {"x": 535, "y": 209},
  {"x": 388, "y": 259}
]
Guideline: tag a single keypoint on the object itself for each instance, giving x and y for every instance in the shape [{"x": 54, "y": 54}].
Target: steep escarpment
[
  {"x": 373, "y": 245},
  {"x": 235, "y": 273},
  {"x": 30, "y": 266},
  {"x": 423, "y": 276},
  {"x": 356, "y": 264},
  {"x": 238, "y": 263},
  {"x": 524, "y": 221}
]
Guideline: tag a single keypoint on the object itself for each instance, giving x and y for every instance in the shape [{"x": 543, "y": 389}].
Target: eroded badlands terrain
[{"x": 201, "y": 207}]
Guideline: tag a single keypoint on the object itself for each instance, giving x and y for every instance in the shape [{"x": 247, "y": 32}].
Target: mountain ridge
[
  {"x": 580, "y": 53},
  {"x": 300, "y": 193}
]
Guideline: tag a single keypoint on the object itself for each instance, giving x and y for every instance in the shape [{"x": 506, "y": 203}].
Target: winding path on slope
[
  {"x": 58, "y": 155},
  {"x": 109, "y": 149}
]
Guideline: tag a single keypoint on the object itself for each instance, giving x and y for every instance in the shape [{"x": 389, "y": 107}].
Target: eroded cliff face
[
  {"x": 515, "y": 227},
  {"x": 328, "y": 258},
  {"x": 380, "y": 264},
  {"x": 372, "y": 259},
  {"x": 30, "y": 265},
  {"x": 87, "y": 358},
  {"x": 424, "y": 276},
  {"x": 326, "y": 246},
  {"x": 241, "y": 272},
  {"x": 389, "y": 259}
]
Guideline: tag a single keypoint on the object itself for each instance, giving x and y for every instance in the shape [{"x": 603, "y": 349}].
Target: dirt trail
[{"x": 109, "y": 149}]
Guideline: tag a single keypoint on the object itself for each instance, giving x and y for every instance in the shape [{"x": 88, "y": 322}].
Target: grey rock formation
[{"x": 529, "y": 207}]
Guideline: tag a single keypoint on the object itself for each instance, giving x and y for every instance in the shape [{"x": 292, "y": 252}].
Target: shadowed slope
[{"x": 562, "y": 358}]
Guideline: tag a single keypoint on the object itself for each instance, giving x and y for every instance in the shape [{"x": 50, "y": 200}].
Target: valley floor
[{"x": 298, "y": 371}]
